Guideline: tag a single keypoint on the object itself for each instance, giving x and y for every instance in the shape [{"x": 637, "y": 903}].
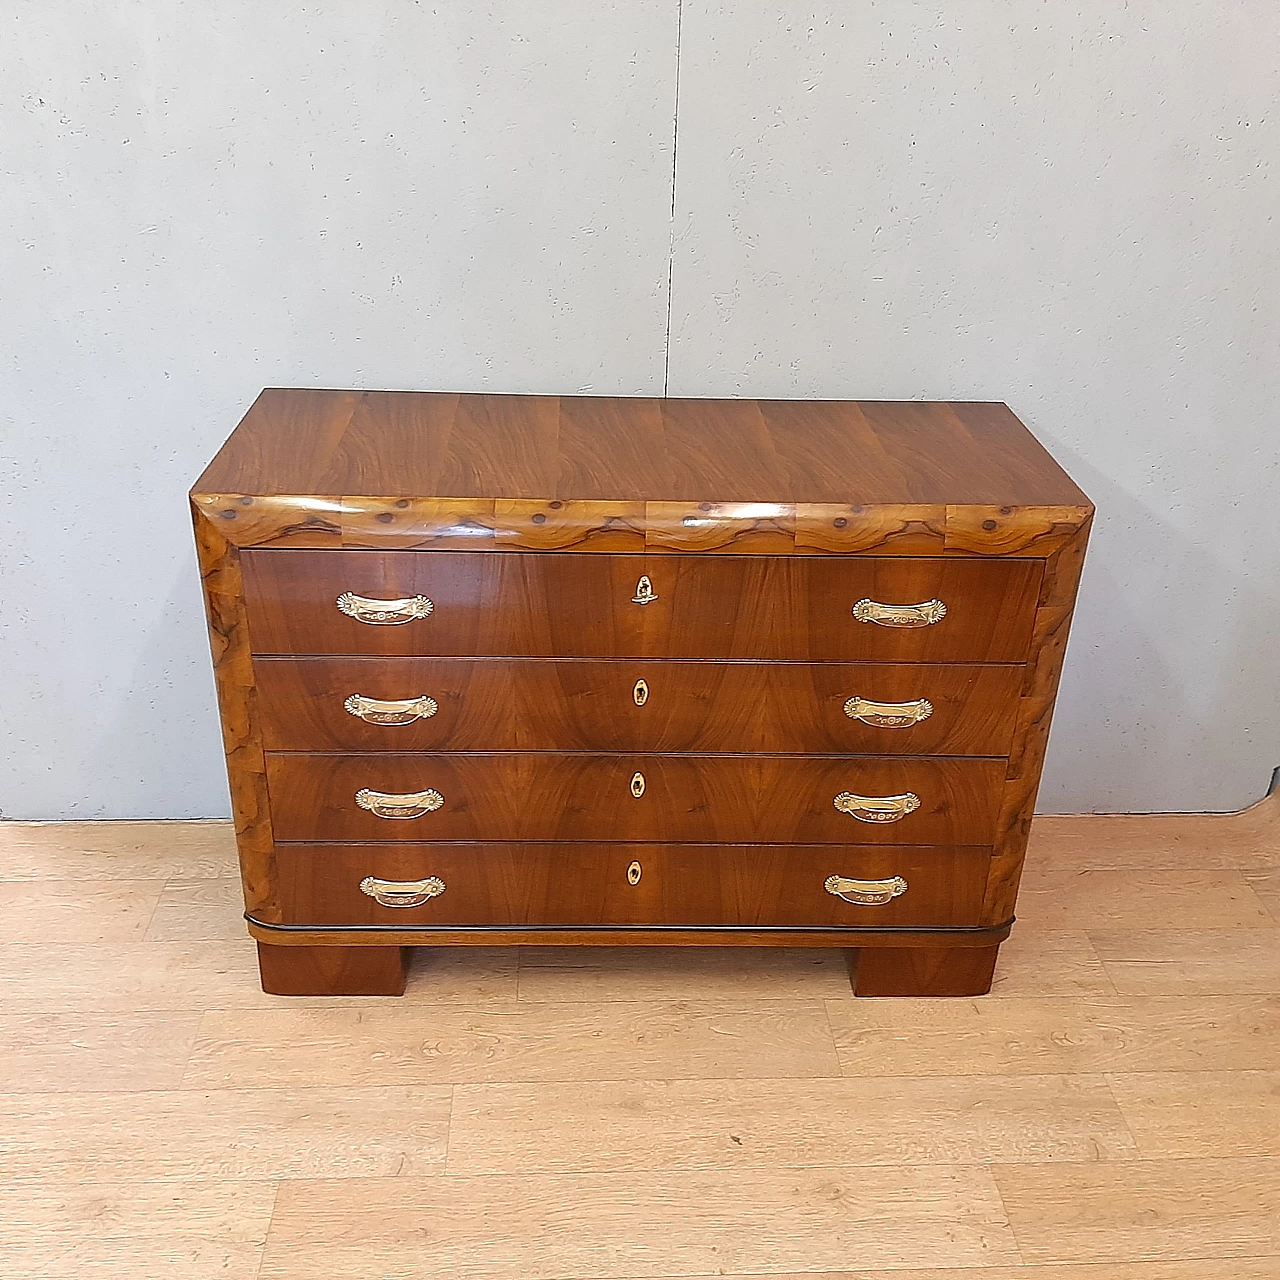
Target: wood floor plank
[
  {"x": 1192, "y": 962},
  {"x": 639, "y": 1126},
  {"x": 225, "y": 1134},
  {"x": 1087, "y": 899},
  {"x": 1149, "y": 841},
  {"x": 79, "y": 911},
  {"x": 109, "y": 1229},
  {"x": 622, "y": 1225},
  {"x": 640, "y": 1115},
  {"x": 180, "y": 975},
  {"x": 480, "y": 976},
  {"x": 1202, "y": 1114},
  {"x": 1201, "y": 1269},
  {"x": 723, "y": 974},
  {"x": 46, "y": 1052},
  {"x": 116, "y": 850},
  {"x": 421, "y": 1044},
  {"x": 1053, "y": 1036},
  {"x": 1143, "y": 1210},
  {"x": 1266, "y": 884},
  {"x": 1039, "y": 962},
  {"x": 198, "y": 910}
]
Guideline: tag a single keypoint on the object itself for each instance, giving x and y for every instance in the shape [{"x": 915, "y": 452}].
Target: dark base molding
[{"x": 950, "y": 938}]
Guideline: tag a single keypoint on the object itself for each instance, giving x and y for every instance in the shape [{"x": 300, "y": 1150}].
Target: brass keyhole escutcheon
[
  {"x": 645, "y": 594},
  {"x": 633, "y": 873},
  {"x": 637, "y": 785},
  {"x": 640, "y": 693}
]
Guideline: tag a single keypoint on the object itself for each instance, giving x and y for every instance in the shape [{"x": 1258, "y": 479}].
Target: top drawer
[{"x": 552, "y": 604}]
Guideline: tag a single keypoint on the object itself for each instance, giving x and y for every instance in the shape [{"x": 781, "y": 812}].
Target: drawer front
[
  {"x": 521, "y": 885},
  {"x": 528, "y": 604},
  {"x": 538, "y": 704},
  {"x": 554, "y": 796}
]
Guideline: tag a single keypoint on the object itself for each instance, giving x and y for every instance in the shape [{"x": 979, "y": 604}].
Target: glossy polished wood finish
[
  {"x": 758, "y": 524},
  {"x": 763, "y": 886},
  {"x": 444, "y": 471},
  {"x": 1035, "y": 713},
  {"x": 241, "y": 728},
  {"x": 552, "y": 796},
  {"x": 508, "y": 704},
  {"x": 924, "y": 971},
  {"x": 562, "y": 606},
  {"x": 333, "y": 971}
]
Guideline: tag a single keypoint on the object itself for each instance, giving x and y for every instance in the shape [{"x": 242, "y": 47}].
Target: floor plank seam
[
  {"x": 1008, "y": 1217},
  {"x": 448, "y": 1132},
  {"x": 266, "y": 1238},
  {"x": 1120, "y": 1111},
  {"x": 142, "y": 936}
]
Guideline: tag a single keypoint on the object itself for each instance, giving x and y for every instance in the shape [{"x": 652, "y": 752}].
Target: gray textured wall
[{"x": 1071, "y": 207}]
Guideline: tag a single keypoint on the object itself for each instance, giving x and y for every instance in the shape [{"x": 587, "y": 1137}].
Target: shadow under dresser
[{"x": 534, "y": 669}]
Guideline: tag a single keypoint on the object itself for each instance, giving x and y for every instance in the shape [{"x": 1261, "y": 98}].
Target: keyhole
[
  {"x": 637, "y": 785},
  {"x": 633, "y": 873},
  {"x": 645, "y": 593},
  {"x": 640, "y": 693}
]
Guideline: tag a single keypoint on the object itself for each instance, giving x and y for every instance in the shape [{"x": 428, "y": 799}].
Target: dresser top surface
[{"x": 315, "y": 443}]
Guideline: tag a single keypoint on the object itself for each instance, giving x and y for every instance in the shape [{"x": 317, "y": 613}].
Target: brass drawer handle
[
  {"x": 412, "y": 804},
  {"x": 402, "y": 893},
  {"x": 405, "y": 711},
  {"x": 888, "y": 715},
  {"x": 865, "y": 893},
  {"x": 877, "y": 808},
  {"x": 384, "y": 613},
  {"x": 645, "y": 594},
  {"x": 900, "y": 615}
]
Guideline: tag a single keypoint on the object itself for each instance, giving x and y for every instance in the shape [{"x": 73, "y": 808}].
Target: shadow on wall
[{"x": 1123, "y": 715}]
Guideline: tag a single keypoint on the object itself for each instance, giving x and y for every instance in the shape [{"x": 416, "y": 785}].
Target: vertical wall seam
[{"x": 671, "y": 242}]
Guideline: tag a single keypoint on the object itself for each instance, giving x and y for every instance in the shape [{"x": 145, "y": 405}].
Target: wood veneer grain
[
  {"x": 580, "y": 796},
  {"x": 333, "y": 971},
  {"x": 691, "y": 885},
  {"x": 759, "y": 523},
  {"x": 583, "y": 606},
  {"x": 503, "y": 704},
  {"x": 606, "y": 448},
  {"x": 224, "y": 598},
  {"x": 1055, "y": 606}
]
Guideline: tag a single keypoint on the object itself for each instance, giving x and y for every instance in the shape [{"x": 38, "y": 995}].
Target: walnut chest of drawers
[{"x": 539, "y": 669}]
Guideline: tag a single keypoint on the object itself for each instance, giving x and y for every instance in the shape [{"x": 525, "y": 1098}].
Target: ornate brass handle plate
[
  {"x": 402, "y": 893},
  {"x": 645, "y": 594},
  {"x": 865, "y": 893},
  {"x": 877, "y": 808},
  {"x": 637, "y": 785},
  {"x": 900, "y": 615},
  {"x": 640, "y": 694},
  {"x": 384, "y": 613},
  {"x": 412, "y": 804},
  {"x": 888, "y": 715},
  {"x": 633, "y": 873},
  {"x": 404, "y": 711}
]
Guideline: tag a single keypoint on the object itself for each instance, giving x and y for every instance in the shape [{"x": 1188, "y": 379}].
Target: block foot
[
  {"x": 333, "y": 971},
  {"x": 923, "y": 971}
]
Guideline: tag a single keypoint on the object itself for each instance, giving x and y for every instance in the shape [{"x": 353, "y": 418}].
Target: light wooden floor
[{"x": 1110, "y": 1112}]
